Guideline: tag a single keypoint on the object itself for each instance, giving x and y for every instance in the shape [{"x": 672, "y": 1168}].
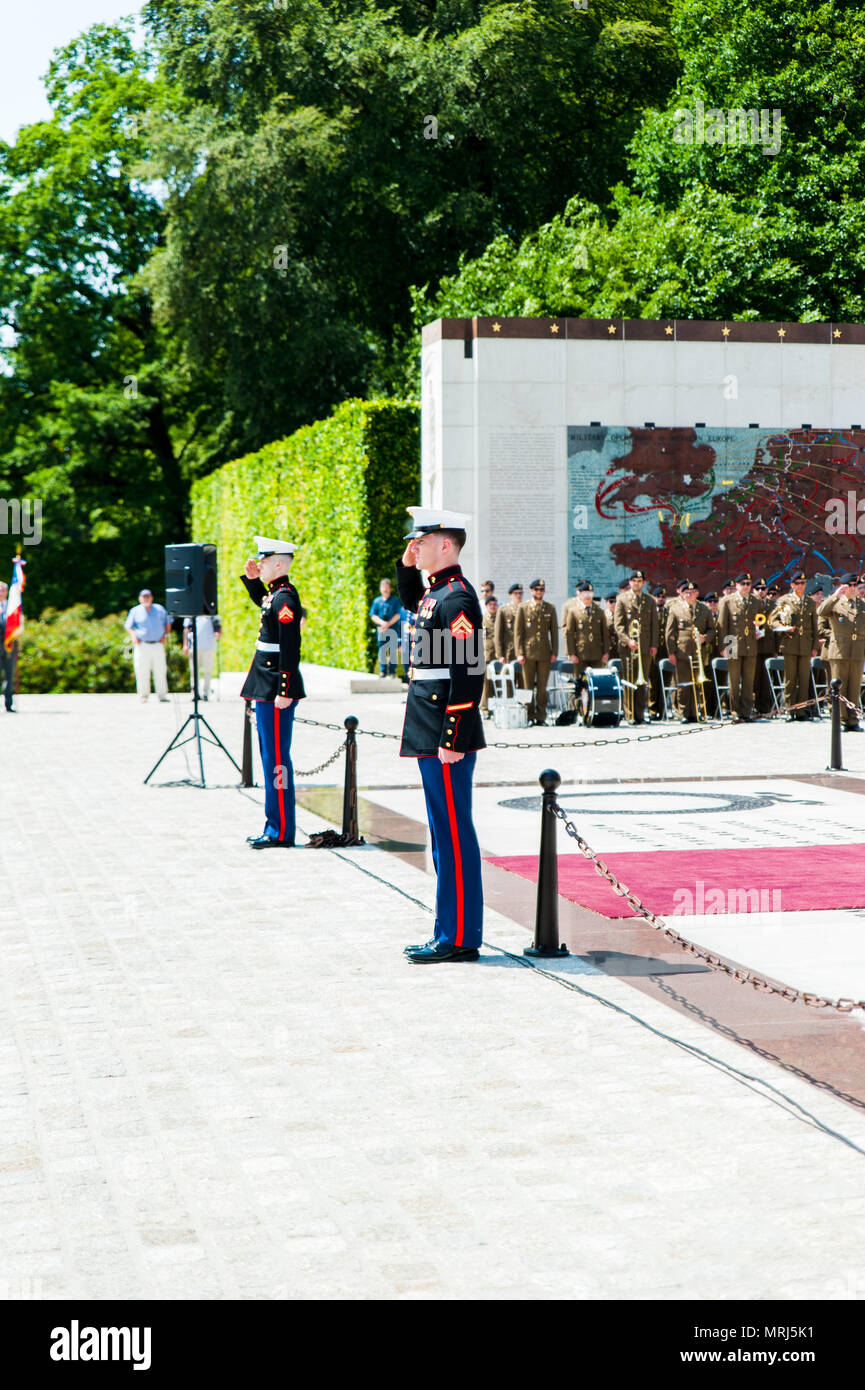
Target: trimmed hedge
[
  {"x": 70, "y": 650},
  {"x": 339, "y": 489}
]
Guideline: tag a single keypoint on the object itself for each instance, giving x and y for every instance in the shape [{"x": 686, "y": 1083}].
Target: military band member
[
  {"x": 766, "y": 647},
  {"x": 794, "y": 621},
  {"x": 824, "y": 632},
  {"x": 536, "y": 638},
  {"x": 506, "y": 619},
  {"x": 846, "y": 614},
  {"x": 689, "y": 626},
  {"x": 442, "y": 727},
  {"x": 632, "y": 605},
  {"x": 656, "y": 689},
  {"x": 275, "y": 684},
  {"x": 491, "y": 604},
  {"x": 587, "y": 631},
  {"x": 738, "y": 640}
]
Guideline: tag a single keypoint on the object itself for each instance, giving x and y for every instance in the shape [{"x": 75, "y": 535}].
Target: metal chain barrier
[
  {"x": 332, "y": 759},
  {"x": 589, "y": 743},
  {"x": 746, "y": 977}
]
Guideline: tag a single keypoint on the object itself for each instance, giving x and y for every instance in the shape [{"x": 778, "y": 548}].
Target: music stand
[{"x": 196, "y": 720}]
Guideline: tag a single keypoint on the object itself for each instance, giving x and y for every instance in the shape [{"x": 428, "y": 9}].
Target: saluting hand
[
  {"x": 409, "y": 556},
  {"x": 252, "y": 569}
]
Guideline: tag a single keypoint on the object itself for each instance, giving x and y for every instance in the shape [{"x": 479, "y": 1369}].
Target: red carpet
[{"x": 790, "y": 878}]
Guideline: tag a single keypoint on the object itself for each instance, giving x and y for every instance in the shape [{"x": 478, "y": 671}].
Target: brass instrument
[
  {"x": 698, "y": 680},
  {"x": 760, "y": 621},
  {"x": 629, "y": 686}
]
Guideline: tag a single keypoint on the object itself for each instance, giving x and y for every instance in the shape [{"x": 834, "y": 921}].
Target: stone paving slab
[{"x": 219, "y": 1078}]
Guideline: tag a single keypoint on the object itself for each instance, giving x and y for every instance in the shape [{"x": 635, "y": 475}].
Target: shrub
[
  {"x": 71, "y": 650},
  {"x": 339, "y": 489}
]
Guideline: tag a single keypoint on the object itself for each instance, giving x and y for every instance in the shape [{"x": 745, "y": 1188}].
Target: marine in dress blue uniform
[
  {"x": 275, "y": 684},
  {"x": 443, "y": 727}
]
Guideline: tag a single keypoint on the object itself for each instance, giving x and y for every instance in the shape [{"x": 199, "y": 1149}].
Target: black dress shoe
[
  {"x": 442, "y": 951},
  {"x": 267, "y": 842},
  {"x": 424, "y": 946}
]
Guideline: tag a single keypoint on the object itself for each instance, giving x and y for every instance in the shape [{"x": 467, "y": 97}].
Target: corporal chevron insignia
[
  {"x": 286, "y": 615},
  {"x": 462, "y": 626}
]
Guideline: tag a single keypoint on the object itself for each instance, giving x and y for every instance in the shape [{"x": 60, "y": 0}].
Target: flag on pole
[{"x": 14, "y": 604}]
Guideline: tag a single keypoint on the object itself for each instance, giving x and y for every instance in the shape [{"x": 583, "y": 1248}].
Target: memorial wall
[{"x": 584, "y": 448}]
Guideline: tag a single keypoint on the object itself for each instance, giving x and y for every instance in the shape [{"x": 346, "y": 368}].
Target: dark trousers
[
  {"x": 275, "y": 728},
  {"x": 455, "y": 850},
  {"x": 7, "y": 672}
]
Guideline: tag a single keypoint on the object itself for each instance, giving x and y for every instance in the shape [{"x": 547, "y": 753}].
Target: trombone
[
  {"x": 698, "y": 679},
  {"x": 630, "y": 686}
]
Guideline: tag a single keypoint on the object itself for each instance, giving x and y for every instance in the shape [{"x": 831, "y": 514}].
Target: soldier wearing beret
[
  {"x": 536, "y": 638},
  {"x": 506, "y": 618},
  {"x": 633, "y": 606},
  {"x": 846, "y": 614},
  {"x": 737, "y": 633},
  {"x": 689, "y": 628},
  {"x": 442, "y": 727},
  {"x": 587, "y": 631},
  {"x": 794, "y": 621},
  {"x": 275, "y": 684}
]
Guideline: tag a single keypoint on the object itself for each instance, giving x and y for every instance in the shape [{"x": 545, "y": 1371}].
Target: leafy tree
[
  {"x": 90, "y": 398},
  {"x": 322, "y": 155},
  {"x": 713, "y": 228}
]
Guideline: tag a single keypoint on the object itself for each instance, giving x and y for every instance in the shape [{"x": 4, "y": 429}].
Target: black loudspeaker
[{"x": 190, "y": 580}]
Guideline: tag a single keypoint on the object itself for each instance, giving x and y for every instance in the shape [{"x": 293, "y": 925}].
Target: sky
[{"x": 31, "y": 32}]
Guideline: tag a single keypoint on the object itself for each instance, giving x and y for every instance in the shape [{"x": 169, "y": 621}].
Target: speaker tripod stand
[{"x": 196, "y": 720}]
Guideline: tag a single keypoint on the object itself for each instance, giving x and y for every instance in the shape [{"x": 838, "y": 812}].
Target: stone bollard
[{"x": 546, "y": 941}]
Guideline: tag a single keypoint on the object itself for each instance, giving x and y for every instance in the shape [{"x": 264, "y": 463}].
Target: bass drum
[{"x": 600, "y": 697}]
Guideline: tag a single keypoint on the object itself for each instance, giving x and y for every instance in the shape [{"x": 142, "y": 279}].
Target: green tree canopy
[
  {"x": 712, "y": 228},
  {"x": 91, "y": 413}
]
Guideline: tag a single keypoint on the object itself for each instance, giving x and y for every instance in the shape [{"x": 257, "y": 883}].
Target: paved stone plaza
[{"x": 220, "y": 1079}]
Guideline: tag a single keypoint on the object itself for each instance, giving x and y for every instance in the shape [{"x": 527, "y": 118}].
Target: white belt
[
  {"x": 267, "y": 646},
  {"x": 433, "y": 673}
]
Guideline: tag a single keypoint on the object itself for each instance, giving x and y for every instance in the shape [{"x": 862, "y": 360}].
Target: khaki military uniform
[
  {"x": 684, "y": 624},
  {"x": 631, "y": 606},
  {"x": 587, "y": 635},
  {"x": 489, "y": 655},
  {"x": 846, "y": 648},
  {"x": 795, "y": 647},
  {"x": 738, "y": 643},
  {"x": 506, "y": 617},
  {"x": 767, "y": 646},
  {"x": 536, "y": 639}
]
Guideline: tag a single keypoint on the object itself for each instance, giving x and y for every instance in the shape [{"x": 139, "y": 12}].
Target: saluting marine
[
  {"x": 794, "y": 621},
  {"x": 443, "y": 727},
  {"x": 275, "y": 684}
]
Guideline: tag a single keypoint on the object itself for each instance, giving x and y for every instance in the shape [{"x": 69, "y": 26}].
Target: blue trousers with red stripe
[
  {"x": 455, "y": 850},
  {"x": 274, "y": 741}
]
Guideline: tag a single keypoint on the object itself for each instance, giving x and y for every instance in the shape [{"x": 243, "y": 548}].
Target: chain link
[
  {"x": 332, "y": 759},
  {"x": 814, "y": 1001}
]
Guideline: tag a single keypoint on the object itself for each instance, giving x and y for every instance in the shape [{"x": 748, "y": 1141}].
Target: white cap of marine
[
  {"x": 429, "y": 519},
  {"x": 266, "y": 546}
]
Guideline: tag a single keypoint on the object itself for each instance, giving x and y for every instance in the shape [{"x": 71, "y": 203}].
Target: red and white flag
[{"x": 15, "y": 605}]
